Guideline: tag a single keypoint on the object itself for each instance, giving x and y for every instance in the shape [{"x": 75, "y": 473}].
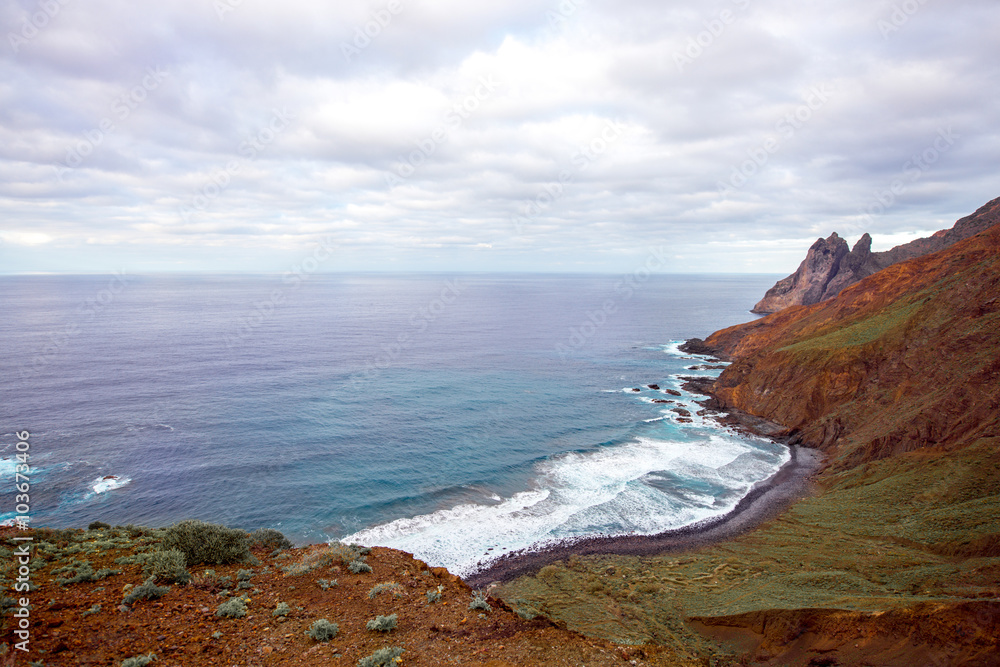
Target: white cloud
[{"x": 478, "y": 110}]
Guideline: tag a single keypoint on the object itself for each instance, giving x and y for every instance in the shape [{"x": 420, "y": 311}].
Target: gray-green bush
[
  {"x": 385, "y": 587},
  {"x": 479, "y": 602},
  {"x": 384, "y": 657},
  {"x": 207, "y": 543},
  {"x": 282, "y": 609},
  {"x": 139, "y": 660},
  {"x": 358, "y": 567},
  {"x": 232, "y": 608},
  {"x": 166, "y": 565},
  {"x": 269, "y": 538},
  {"x": 382, "y": 623},
  {"x": 322, "y": 630},
  {"x": 147, "y": 590}
]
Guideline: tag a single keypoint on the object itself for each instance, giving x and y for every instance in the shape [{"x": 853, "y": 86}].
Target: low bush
[
  {"x": 382, "y": 623},
  {"x": 282, "y": 609},
  {"x": 384, "y": 657},
  {"x": 139, "y": 660},
  {"x": 167, "y": 566},
  {"x": 359, "y": 567},
  {"x": 326, "y": 584},
  {"x": 85, "y": 572},
  {"x": 269, "y": 538},
  {"x": 146, "y": 591},
  {"x": 386, "y": 587},
  {"x": 435, "y": 595},
  {"x": 479, "y": 602},
  {"x": 207, "y": 543},
  {"x": 98, "y": 525},
  {"x": 232, "y": 608},
  {"x": 322, "y": 630}
]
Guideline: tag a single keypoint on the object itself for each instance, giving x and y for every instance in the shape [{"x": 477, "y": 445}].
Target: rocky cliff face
[
  {"x": 829, "y": 267},
  {"x": 905, "y": 359}
]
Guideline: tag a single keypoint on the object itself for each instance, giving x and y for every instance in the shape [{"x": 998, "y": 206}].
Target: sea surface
[{"x": 453, "y": 416}]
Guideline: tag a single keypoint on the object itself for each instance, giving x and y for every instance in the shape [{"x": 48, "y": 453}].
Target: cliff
[
  {"x": 907, "y": 358},
  {"x": 829, "y": 266}
]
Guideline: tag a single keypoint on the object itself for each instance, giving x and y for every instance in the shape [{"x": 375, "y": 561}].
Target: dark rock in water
[
  {"x": 661, "y": 400},
  {"x": 697, "y": 346},
  {"x": 653, "y": 386},
  {"x": 829, "y": 267},
  {"x": 685, "y": 420},
  {"x": 672, "y": 392},
  {"x": 681, "y": 411},
  {"x": 636, "y": 389},
  {"x": 706, "y": 367}
]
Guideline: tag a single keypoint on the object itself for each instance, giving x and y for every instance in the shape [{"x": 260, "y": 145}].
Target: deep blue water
[{"x": 444, "y": 414}]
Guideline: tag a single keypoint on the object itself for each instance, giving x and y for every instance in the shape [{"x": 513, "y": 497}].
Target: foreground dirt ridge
[{"x": 81, "y": 612}]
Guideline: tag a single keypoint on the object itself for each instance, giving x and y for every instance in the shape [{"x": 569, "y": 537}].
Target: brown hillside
[{"x": 907, "y": 358}]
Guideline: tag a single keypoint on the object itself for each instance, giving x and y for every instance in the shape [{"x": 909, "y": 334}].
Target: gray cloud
[{"x": 462, "y": 136}]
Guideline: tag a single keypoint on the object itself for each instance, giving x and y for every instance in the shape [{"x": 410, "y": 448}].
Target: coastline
[{"x": 765, "y": 500}]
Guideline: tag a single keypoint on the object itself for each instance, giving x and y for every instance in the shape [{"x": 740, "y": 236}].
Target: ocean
[{"x": 457, "y": 417}]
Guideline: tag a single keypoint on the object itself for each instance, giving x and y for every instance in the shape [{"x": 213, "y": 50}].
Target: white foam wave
[
  {"x": 8, "y": 467},
  {"x": 109, "y": 483},
  {"x": 603, "y": 492}
]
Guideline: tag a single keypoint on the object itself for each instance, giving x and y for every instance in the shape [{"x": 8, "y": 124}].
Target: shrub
[
  {"x": 348, "y": 553},
  {"x": 93, "y": 610},
  {"x": 139, "y": 660},
  {"x": 359, "y": 567},
  {"x": 244, "y": 575},
  {"x": 207, "y": 543},
  {"x": 269, "y": 538},
  {"x": 435, "y": 595},
  {"x": 325, "y": 584},
  {"x": 97, "y": 525},
  {"x": 146, "y": 591},
  {"x": 167, "y": 566},
  {"x": 208, "y": 581},
  {"x": 384, "y": 657},
  {"x": 232, "y": 608},
  {"x": 85, "y": 572},
  {"x": 382, "y": 623},
  {"x": 322, "y": 630},
  {"x": 479, "y": 602},
  {"x": 281, "y": 610},
  {"x": 385, "y": 587}
]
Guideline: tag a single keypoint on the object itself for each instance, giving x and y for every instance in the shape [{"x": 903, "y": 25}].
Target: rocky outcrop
[
  {"x": 903, "y": 360},
  {"x": 829, "y": 267}
]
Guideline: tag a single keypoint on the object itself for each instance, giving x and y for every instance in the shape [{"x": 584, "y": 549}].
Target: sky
[{"x": 447, "y": 135}]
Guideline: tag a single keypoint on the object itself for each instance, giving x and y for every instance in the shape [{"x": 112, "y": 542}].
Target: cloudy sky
[{"x": 243, "y": 135}]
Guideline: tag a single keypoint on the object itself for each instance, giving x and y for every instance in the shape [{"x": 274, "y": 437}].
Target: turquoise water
[{"x": 456, "y": 417}]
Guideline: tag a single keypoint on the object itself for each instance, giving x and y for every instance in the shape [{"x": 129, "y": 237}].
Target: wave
[
  {"x": 615, "y": 490},
  {"x": 108, "y": 483}
]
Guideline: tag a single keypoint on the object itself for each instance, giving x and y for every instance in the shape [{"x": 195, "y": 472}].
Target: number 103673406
[{"x": 22, "y": 480}]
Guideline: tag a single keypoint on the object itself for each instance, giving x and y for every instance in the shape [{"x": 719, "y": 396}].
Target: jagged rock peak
[{"x": 829, "y": 267}]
